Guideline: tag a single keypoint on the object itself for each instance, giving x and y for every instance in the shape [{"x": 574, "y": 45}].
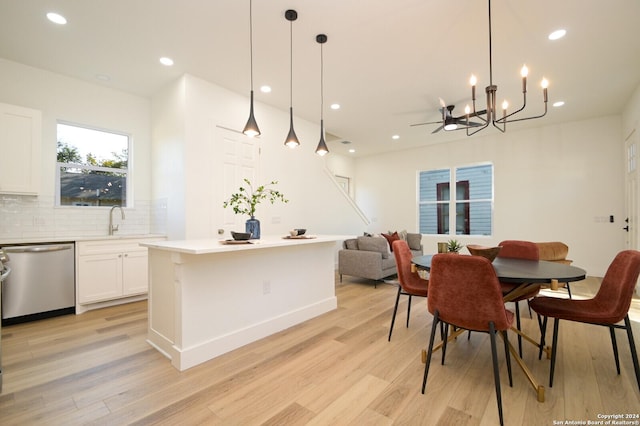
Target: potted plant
[
  {"x": 453, "y": 246},
  {"x": 246, "y": 200}
]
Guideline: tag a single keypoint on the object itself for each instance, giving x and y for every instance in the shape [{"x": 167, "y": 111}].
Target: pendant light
[
  {"x": 251, "y": 128},
  {"x": 322, "y": 145},
  {"x": 292, "y": 140}
]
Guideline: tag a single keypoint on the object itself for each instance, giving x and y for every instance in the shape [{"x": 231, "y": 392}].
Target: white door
[
  {"x": 239, "y": 160},
  {"x": 632, "y": 199}
]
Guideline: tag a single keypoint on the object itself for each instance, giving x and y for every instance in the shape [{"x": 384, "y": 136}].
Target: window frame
[
  {"x": 443, "y": 207},
  {"x": 127, "y": 202}
]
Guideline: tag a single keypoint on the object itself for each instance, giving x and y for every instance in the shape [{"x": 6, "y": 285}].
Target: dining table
[{"x": 527, "y": 276}]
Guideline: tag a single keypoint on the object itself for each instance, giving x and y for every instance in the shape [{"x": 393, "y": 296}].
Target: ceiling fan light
[{"x": 450, "y": 126}]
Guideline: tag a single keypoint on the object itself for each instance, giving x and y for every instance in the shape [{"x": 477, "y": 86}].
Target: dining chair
[
  {"x": 409, "y": 282},
  {"x": 464, "y": 292},
  {"x": 517, "y": 249},
  {"x": 608, "y": 308}
]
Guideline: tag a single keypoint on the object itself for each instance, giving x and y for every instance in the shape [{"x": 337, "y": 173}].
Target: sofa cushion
[
  {"x": 414, "y": 241},
  {"x": 378, "y": 244},
  {"x": 351, "y": 244},
  {"x": 391, "y": 238}
]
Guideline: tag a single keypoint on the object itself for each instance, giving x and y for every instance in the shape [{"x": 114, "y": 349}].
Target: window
[
  {"x": 92, "y": 167},
  {"x": 470, "y": 197}
]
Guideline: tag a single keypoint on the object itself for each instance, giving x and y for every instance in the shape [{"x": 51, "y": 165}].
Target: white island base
[{"x": 207, "y": 298}]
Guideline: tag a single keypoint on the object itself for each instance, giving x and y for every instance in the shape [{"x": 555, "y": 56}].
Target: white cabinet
[
  {"x": 111, "y": 269},
  {"x": 21, "y": 139}
]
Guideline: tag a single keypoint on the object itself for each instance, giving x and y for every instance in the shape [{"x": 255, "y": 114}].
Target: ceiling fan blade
[
  {"x": 438, "y": 129},
  {"x": 477, "y": 113},
  {"x": 423, "y": 124}
]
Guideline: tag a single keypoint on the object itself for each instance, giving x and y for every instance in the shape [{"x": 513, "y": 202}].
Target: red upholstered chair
[
  {"x": 410, "y": 283},
  {"x": 464, "y": 291},
  {"x": 608, "y": 307},
  {"x": 517, "y": 249}
]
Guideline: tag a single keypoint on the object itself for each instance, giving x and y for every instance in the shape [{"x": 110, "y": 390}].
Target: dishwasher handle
[{"x": 37, "y": 249}]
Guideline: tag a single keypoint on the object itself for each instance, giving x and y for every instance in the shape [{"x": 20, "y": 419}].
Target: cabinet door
[
  {"x": 20, "y": 138},
  {"x": 135, "y": 272},
  {"x": 100, "y": 276}
]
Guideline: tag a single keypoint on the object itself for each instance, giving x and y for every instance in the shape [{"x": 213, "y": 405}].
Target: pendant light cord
[
  {"x": 321, "y": 83},
  {"x": 291, "y": 63},
  {"x": 251, "y": 41}
]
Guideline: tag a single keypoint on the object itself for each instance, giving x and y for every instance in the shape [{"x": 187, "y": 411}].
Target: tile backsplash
[{"x": 28, "y": 217}]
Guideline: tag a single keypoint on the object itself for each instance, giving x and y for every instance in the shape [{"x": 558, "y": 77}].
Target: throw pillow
[
  {"x": 377, "y": 244},
  {"x": 391, "y": 238},
  {"x": 414, "y": 241},
  {"x": 351, "y": 244}
]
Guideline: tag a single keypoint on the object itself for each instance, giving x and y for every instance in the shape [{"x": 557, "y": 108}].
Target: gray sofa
[{"x": 370, "y": 256}]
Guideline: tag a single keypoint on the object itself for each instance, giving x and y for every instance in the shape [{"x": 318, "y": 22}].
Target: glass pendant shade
[
  {"x": 251, "y": 128},
  {"x": 292, "y": 140}
]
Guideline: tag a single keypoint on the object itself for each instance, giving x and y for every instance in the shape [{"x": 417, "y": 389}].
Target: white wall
[
  {"x": 315, "y": 202},
  {"x": 553, "y": 183},
  {"x": 76, "y": 101}
]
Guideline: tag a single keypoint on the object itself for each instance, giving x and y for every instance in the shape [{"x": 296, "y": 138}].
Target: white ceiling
[{"x": 387, "y": 62}]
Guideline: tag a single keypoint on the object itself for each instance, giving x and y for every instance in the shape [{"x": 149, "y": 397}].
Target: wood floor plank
[{"x": 338, "y": 368}]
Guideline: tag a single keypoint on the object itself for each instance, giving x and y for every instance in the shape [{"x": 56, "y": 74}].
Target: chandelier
[{"x": 490, "y": 115}]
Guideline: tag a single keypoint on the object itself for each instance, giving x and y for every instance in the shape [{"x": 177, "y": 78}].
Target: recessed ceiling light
[
  {"x": 166, "y": 61},
  {"x": 335, "y": 106},
  {"x": 557, "y": 34},
  {"x": 395, "y": 137},
  {"x": 265, "y": 89},
  {"x": 56, "y": 18},
  {"x": 352, "y": 150},
  {"x": 558, "y": 104}
]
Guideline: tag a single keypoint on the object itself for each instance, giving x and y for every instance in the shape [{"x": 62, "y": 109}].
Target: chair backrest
[
  {"x": 409, "y": 281},
  {"x": 465, "y": 291},
  {"x": 616, "y": 289},
  {"x": 517, "y": 249}
]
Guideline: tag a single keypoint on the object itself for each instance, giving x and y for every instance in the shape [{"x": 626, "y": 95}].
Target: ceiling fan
[{"x": 449, "y": 122}]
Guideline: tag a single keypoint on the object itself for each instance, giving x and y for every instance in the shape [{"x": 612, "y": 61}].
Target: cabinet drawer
[{"x": 111, "y": 246}]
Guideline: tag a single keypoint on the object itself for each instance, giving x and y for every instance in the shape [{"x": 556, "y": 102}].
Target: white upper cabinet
[{"x": 20, "y": 142}]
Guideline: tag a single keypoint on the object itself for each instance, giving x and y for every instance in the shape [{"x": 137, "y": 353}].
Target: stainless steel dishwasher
[{"x": 41, "y": 284}]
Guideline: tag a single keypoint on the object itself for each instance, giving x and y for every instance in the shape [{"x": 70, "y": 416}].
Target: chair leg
[
  {"x": 568, "y": 290},
  {"x": 632, "y": 345},
  {"x": 395, "y": 310},
  {"x": 614, "y": 344},
  {"x": 408, "y": 311},
  {"x": 543, "y": 333},
  {"x": 496, "y": 371},
  {"x": 519, "y": 328},
  {"x": 430, "y": 350},
  {"x": 554, "y": 350},
  {"x": 444, "y": 342},
  {"x": 507, "y": 355}
]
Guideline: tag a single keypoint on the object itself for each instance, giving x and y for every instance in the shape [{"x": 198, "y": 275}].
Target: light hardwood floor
[{"x": 337, "y": 369}]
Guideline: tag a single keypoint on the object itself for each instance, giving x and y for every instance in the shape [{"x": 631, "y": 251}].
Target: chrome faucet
[{"x": 113, "y": 228}]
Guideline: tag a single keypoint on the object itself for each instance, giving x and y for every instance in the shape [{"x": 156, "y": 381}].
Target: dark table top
[{"x": 522, "y": 270}]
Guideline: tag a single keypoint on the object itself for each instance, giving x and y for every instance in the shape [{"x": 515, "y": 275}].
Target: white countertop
[
  {"x": 59, "y": 239},
  {"x": 205, "y": 246}
]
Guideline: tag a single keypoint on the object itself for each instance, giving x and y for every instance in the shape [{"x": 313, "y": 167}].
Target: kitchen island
[{"x": 208, "y": 297}]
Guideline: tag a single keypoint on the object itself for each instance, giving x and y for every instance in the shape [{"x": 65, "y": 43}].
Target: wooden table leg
[{"x": 534, "y": 383}]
